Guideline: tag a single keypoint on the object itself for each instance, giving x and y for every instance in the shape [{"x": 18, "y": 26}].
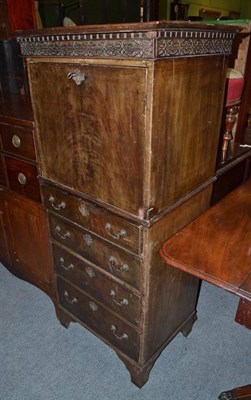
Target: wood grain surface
[{"x": 217, "y": 246}]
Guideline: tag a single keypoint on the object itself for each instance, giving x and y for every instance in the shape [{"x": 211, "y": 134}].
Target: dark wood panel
[
  {"x": 3, "y": 180},
  {"x": 186, "y": 125},
  {"x": 16, "y": 109},
  {"x": 21, "y": 14},
  {"x": 172, "y": 295},
  {"x": 243, "y": 314},
  {"x": 245, "y": 288},
  {"x": 22, "y": 178},
  {"x": 230, "y": 180},
  {"x": 4, "y": 21},
  {"x": 4, "y": 245},
  {"x": 27, "y": 229},
  {"x": 97, "y": 132}
]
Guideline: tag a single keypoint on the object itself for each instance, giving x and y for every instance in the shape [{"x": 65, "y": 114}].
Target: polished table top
[{"x": 216, "y": 247}]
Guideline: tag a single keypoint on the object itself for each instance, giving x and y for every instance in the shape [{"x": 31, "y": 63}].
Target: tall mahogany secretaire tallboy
[{"x": 127, "y": 120}]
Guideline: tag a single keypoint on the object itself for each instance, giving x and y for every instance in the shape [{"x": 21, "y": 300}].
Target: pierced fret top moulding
[{"x": 154, "y": 40}]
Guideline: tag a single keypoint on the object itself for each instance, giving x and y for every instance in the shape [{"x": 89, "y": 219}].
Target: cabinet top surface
[
  {"x": 145, "y": 40},
  {"x": 153, "y": 26}
]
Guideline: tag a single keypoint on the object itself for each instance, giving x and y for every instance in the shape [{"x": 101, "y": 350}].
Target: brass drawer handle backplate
[
  {"x": 22, "y": 178},
  {"x": 120, "y": 235},
  {"x": 58, "y": 206},
  {"x": 62, "y": 235},
  {"x": 70, "y": 299},
  {"x": 120, "y": 303},
  {"x": 77, "y": 76},
  {"x": 16, "y": 141},
  {"x": 123, "y": 336},
  {"x": 114, "y": 265}
]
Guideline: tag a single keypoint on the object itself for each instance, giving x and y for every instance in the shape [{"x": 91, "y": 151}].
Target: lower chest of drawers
[{"x": 98, "y": 282}]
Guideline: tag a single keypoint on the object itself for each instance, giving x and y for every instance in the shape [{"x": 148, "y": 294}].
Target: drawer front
[
  {"x": 100, "y": 320},
  {"x": 18, "y": 141},
  {"x": 2, "y": 172},
  {"x": 93, "y": 218},
  {"x": 22, "y": 178},
  {"x": 94, "y": 282},
  {"x": 103, "y": 254}
]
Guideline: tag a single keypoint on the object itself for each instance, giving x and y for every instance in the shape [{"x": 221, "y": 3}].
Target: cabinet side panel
[
  {"x": 4, "y": 246},
  {"x": 172, "y": 294},
  {"x": 188, "y": 99},
  {"x": 28, "y": 236}
]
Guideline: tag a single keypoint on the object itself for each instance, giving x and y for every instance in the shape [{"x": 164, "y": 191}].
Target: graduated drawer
[
  {"x": 112, "y": 259},
  {"x": 118, "y": 333},
  {"x": 18, "y": 141},
  {"x": 22, "y": 178},
  {"x": 93, "y": 218},
  {"x": 99, "y": 285}
]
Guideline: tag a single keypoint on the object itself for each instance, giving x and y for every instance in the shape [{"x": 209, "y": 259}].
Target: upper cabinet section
[{"x": 129, "y": 115}]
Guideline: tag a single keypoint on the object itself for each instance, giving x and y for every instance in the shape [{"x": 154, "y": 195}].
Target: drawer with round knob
[
  {"x": 93, "y": 281},
  {"x": 94, "y": 218},
  {"x": 98, "y": 319},
  {"x": 116, "y": 261},
  {"x": 22, "y": 177},
  {"x": 18, "y": 141}
]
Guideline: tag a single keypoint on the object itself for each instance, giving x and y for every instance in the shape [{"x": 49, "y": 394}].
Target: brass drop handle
[
  {"x": 65, "y": 267},
  {"x": 16, "y": 141},
  {"x": 120, "y": 235},
  {"x": 123, "y": 302},
  {"x": 22, "y": 178},
  {"x": 62, "y": 235},
  {"x": 70, "y": 299},
  {"x": 77, "y": 76},
  {"x": 123, "y": 336},
  {"x": 114, "y": 265},
  {"x": 56, "y": 206}
]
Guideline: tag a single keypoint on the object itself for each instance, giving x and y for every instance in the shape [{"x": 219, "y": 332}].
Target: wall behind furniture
[
  {"x": 92, "y": 12},
  {"x": 241, "y": 6}
]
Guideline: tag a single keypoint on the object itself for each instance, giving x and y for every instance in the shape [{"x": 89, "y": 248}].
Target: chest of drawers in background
[
  {"x": 127, "y": 121},
  {"x": 25, "y": 247}
]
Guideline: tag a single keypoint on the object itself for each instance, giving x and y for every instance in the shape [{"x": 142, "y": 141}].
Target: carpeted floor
[{"x": 41, "y": 360}]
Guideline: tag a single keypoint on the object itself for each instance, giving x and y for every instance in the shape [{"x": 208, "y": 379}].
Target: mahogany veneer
[{"x": 216, "y": 247}]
